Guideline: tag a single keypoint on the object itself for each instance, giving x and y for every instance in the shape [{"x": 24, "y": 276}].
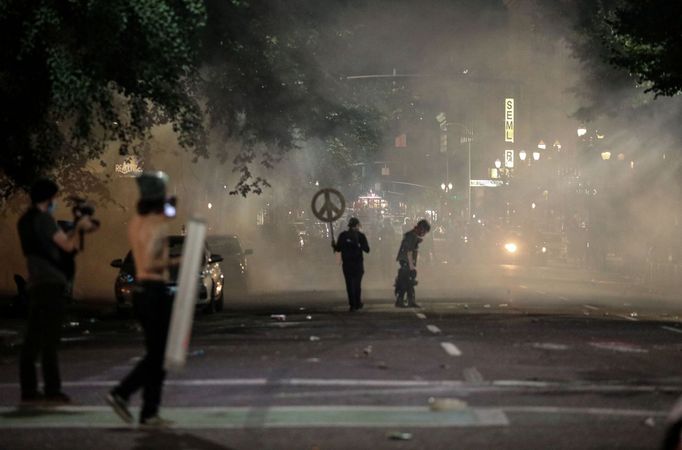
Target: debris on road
[
  {"x": 650, "y": 422},
  {"x": 309, "y": 317},
  {"x": 314, "y": 338},
  {"x": 398, "y": 435},
  {"x": 279, "y": 317},
  {"x": 367, "y": 350},
  {"x": 486, "y": 305},
  {"x": 446, "y": 404}
]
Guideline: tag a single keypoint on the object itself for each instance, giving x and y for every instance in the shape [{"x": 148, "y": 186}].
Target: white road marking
[
  {"x": 585, "y": 411},
  {"x": 673, "y": 329},
  {"x": 433, "y": 329},
  {"x": 472, "y": 375},
  {"x": 450, "y": 348},
  {"x": 421, "y": 316},
  {"x": 624, "y": 316},
  {"x": 590, "y": 307}
]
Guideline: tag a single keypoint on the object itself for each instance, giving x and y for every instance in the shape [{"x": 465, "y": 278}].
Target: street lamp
[
  {"x": 446, "y": 187},
  {"x": 557, "y": 145},
  {"x": 582, "y": 131},
  {"x": 522, "y": 155},
  {"x": 606, "y": 155},
  {"x": 542, "y": 145},
  {"x": 498, "y": 163},
  {"x": 536, "y": 156}
]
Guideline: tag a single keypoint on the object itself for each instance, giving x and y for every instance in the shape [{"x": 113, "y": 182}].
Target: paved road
[{"x": 503, "y": 357}]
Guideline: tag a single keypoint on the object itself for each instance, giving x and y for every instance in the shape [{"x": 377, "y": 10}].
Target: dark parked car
[
  {"x": 210, "y": 297},
  {"x": 235, "y": 264}
]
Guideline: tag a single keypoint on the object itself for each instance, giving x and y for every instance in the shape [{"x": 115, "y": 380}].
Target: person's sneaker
[
  {"x": 156, "y": 422},
  {"x": 57, "y": 398},
  {"x": 120, "y": 407}
]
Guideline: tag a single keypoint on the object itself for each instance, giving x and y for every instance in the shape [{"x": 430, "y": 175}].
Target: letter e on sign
[{"x": 509, "y": 120}]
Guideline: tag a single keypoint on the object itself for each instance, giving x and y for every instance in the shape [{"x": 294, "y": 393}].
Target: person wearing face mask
[
  {"x": 44, "y": 245},
  {"x": 407, "y": 258},
  {"x": 351, "y": 244}
]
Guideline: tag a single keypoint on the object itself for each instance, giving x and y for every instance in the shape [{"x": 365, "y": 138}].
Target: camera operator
[{"x": 45, "y": 246}]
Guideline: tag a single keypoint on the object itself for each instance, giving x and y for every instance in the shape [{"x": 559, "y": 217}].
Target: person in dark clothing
[
  {"x": 152, "y": 302},
  {"x": 407, "y": 272},
  {"x": 351, "y": 244},
  {"x": 44, "y": 245}
]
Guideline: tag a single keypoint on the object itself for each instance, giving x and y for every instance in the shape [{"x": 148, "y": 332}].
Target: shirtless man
[{"x": 147, "y": 234}]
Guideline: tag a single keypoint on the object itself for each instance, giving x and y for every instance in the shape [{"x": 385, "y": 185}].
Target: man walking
[
  {"x": 45, "y": 247},
  {"x": 351, "y": 244},
  {"x": 148, "y": 236},
  {"x": 407, "y": 258}
]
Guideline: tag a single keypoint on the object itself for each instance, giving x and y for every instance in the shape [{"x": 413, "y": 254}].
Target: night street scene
[{"x": 317, "y": 225}]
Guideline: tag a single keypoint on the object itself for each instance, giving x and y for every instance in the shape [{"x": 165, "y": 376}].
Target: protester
[{"x": 351, "y": 244}]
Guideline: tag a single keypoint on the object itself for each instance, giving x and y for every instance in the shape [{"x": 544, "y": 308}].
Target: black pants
[
  {"x": 404, "y": 285},
  {"x": 353, "y": 275},
  {"x": 153, "y": 306},
  {"x": 43, "y": 331}
]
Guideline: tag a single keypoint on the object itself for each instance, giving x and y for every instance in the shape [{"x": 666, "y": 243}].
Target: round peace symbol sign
[{"x": 332, "y": 205}]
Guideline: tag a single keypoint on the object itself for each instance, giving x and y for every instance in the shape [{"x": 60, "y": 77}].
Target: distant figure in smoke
[
  {"x": 351, "y": 244},
  {"x": 148, "y": 236},
  {"x": 407, "y": 258}
]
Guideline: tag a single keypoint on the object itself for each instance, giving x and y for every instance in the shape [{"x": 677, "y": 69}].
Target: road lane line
[
  {"x": 334, "y": 416},
  {"x": 421, "y": 316},
  {"x": 585, "y": 411},
  {"x": 673, "y": 329},
  {"x": 624, "y": 316},
  {"x": 433, "y": 329},
  {"x": 472, "y": 375},
  {"x": 590, "y": 307},
  {"x": 451, "y": 349}
]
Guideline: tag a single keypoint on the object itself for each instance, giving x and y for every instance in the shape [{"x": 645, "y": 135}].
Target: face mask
[{"x": 51, "y": 207}]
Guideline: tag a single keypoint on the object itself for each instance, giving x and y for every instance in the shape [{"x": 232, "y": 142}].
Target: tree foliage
[
  {"x": 76, "y": 75},
  {"x": 646, "y": 39}
]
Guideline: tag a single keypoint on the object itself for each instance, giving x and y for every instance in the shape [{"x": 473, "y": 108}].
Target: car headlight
[
  {"x": 543, "y": 249},
  {"x": 510, "y": 247}
]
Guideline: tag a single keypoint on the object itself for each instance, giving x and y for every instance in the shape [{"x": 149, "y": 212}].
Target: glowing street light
[
  {"x": 582, "y": 131},
  {"x": 498, "y": 163},
  {"x": 210, "y": 205},
  {"x": 557, "y": 145},
  {"x": 522, "y": 155},
  {"x": 446, "y": 187},
  {"x": 542, "y": 145},
  {"x": 606, "y": 155},
  {"x": 536, "y": 156}
]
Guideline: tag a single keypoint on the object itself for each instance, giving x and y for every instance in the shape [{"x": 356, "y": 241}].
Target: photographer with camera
[{"x": 49, "y": 253}]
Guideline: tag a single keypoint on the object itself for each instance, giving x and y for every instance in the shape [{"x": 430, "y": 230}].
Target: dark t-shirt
[
  {"x": 351, "y": 244},
  {"x": 410, "y": 243},
  {"x": 36, "y": 233}
]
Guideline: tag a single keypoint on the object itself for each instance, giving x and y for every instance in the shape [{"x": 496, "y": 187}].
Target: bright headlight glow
[
  {"x": 510, "y": 247},
  {"x": 544, "y": 249}
]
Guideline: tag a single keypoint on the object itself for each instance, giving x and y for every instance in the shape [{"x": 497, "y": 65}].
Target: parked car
[
  {"x": 235, "y": 264},
  {"x": 516, "y": 247},
  {"x": 211, "y": 278}
]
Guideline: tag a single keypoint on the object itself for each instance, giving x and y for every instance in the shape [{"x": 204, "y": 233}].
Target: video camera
[{"x": 82, "y": 208}]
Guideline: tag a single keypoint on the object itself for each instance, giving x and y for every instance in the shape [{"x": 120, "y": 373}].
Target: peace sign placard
[{"x": 328, "y": 205}]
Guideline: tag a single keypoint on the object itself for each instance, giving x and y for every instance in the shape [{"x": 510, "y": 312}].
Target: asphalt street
[{"x": 497, "y": 357}]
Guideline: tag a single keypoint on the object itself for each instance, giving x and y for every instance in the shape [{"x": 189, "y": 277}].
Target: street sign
[
  {"x": 486, "y": 183},
  {"x": 509, "y": 120},
  {"x": 509, "y": 159}
]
